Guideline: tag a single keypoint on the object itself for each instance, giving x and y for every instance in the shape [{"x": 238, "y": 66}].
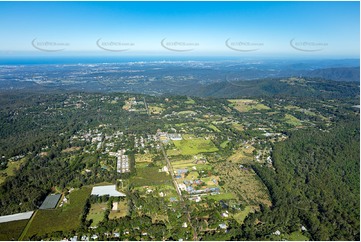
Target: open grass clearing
[
  {"x": 240, "y": 216},
  {"x": 121, "y": 212},
  {"x": 243, "y": 183},
  {"x": 192, "y": 175},
  {"x": 159, "y": 218},
  {"x": 214, "y": 128},
  {"x": 189, "y": 101},
  {"x": 222, "y": 196},
  {"x": 292, "y": 120},
  {"x": 12, "y": 168},
  {"x": 224, "y": 144},
  {"x": 305, "y": 111},
  {"x": 191, "y": 145},
  {"x": 242, "y": 155},
  {"x": 246, "y": 105},
  {"x": 96, "y": 213},
  {"x": 296, "y": 236},
  {"x": 71, "y": 149},
  {"x": 187, "y": 112},
  {"x": 150, "y": 176},
  {"x": 182, "y": 164},
  {"x": 155, "y": 109},
  {"x": 238, "y": 126},
  {"x": 140, "y": 158}
]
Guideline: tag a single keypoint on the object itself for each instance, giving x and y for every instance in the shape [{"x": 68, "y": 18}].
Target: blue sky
[{"x": 327, "y": 29}]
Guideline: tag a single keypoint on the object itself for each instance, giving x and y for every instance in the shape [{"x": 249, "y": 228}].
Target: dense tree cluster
[{"x": 315, "y": 184}]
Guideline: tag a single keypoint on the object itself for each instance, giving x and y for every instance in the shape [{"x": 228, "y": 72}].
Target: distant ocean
[{"x": 103, "y": 59}]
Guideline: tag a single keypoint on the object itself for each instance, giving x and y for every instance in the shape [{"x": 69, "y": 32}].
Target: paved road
[{"x": 170, "y": 169}]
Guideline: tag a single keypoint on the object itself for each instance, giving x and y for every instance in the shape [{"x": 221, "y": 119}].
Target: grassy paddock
[
  {"x": 12, "y": 230},
  {"x": 150, "y": 176},
  {"x": 13, "y": 167},
  {"x": 222, "y": 196},
  {"x": 96, "y": 213},
  {"x": 192, "y": 146},
  {"x": 122, "y": 210},
  {"x": 292, "y": 120},
  {"x": 140, "y": 158},
  {"x": 240, "y": 216},
  {"x": 246, "y": 105}
]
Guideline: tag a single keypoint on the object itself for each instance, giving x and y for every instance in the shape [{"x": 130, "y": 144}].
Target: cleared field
[
  {"x": 222, "y": 196},
  {"x": 292, "y": 120},
  {"x": 243, "y": 183},
  {"x": 71, "y": 149},
  {"x": 96, "y": 213},
  {"x": 121, "y": 212},
  {"x": 240, "y": 216},
  {"x": 246, "y": 105},
  {"x": 224, "y": 144},
  {"x": 159, "y": 217},
  {"x": 192, "y": 146},
  {"x": 155, "y": 109},
  {"x": 61, "y": 219},
  {"x": 179, "y": 164},
  {"x": 238, "y": 127},
  {"x": 305, "y": 111},
  {"x": 214, "y": 128},
  {"x": 182, "y": 164},
  {"x": 173, "y": 152},
  {"x": 296, "y": 236},
  {"x": 127, "y": 105},
  {"x": 150, "y": 176},
  {"x": 12, "y": 230},
  {"x": 242, "y": 155},
  {"x": 13, "y": 166},
  {"x": 187, "y": 112},
  {"x": 190, "y": 101},
  {"x": 140, "y": 158},
  {"x": 193, "y": 175}
]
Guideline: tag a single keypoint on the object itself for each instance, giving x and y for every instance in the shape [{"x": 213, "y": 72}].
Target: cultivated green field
[
  {"x": 61, "y": 219},
  {"x": 191, "y": 146},
  {"x": 12, "y": 230}
]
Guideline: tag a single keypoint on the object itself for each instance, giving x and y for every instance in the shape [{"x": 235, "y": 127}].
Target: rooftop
[{"x": 107, "y": 190}]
